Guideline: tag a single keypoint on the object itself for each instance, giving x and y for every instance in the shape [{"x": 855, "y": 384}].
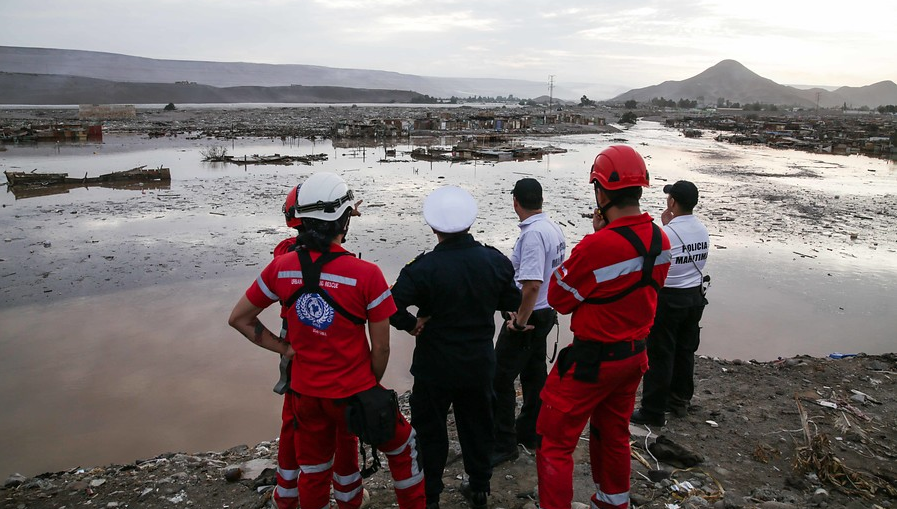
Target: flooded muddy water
[{"x": 113, "y": 303}]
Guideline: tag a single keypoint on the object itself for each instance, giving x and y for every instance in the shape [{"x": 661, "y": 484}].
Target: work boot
[
  {"x": 642, "y": 416},
  {"x": 499, "y": 457},
  {"x": 477, "y": 499}
]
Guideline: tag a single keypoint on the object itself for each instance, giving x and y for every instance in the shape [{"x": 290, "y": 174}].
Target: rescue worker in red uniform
[
  {"x": 331, "y": 295},
  {"x": 609, "y": 284},
  {"x": 286, "y": 494}
]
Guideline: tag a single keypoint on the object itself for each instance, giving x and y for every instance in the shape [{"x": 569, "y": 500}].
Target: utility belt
[{"x": 588, "y": 356}]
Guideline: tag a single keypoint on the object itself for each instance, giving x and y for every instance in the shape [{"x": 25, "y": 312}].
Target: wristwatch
[{"x": 516, "y": 326}]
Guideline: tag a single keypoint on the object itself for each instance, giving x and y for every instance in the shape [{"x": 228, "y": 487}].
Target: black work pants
[
  {"x": 672, "y": 343},
  {"x": 473, "y": 419},
  {"x": 523, "y": 354}
]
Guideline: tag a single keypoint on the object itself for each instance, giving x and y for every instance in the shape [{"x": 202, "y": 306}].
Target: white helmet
[
  {"x": 324, "y": 196},
  {"x": 450, "y": 209}
]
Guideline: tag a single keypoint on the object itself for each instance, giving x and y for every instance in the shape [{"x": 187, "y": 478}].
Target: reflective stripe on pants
[
  {"x": 286, "y": 496},
  {"x": 567, "y": 405}
]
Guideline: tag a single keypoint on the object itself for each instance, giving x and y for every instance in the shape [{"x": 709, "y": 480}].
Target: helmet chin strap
[
  {"x": 345, "y": 230},
  {"x": 604, "y": 209}
]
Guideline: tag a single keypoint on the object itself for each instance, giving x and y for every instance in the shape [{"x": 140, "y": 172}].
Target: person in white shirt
[
  {"x": 668, "y": 386},
  {"x": 520, "y": 348}
]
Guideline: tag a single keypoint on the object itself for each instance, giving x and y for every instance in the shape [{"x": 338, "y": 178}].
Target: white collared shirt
[
  {"x": 689, "y": 247},
  {"x": 539, "y": 250}
]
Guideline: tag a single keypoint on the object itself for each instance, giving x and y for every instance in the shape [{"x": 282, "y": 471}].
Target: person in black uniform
[
  {"x": 668, "y": 385},
  {"x": 457, "y": 289}
]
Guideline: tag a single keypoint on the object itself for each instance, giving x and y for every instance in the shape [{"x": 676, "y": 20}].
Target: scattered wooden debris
[
  {"x": 272, "y": 159},
  {"x": 138, "y": 174},
  {"x": 817, "y": 455}
]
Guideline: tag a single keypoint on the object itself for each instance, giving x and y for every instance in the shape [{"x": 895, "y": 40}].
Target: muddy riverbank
[{"x": 798, "y": 432}]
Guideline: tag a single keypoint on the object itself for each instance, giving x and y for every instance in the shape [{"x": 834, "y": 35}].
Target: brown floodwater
[{"x": 113, "y": 337}]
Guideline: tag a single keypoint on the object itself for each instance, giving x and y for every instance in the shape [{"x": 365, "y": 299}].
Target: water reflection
[{"x": 23, "y": 192}]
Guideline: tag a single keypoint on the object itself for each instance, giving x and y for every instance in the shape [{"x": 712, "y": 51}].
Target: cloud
[
  {"x": 432, "y": 23},
  {"x": 634, "y": 42},
  {"x": 363, "y": 4}
]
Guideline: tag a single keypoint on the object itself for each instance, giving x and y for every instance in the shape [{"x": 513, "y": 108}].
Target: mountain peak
[
  {"x": 729, "y": 64},
  {"x": 731, "y": 68},
  {"x": 730, "y": 81}
]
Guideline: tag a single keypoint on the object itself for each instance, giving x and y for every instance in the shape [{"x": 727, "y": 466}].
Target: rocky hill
[
  {"x": 734, "y": 82},
  {"x": 882, "y": 93}
]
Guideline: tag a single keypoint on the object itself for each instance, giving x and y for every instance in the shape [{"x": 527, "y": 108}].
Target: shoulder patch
[{"x": 416, "y": 258}]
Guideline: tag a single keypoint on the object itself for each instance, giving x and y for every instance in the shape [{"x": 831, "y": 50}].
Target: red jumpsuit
[
  {"x": 333, "y": 362},
  {"x": 286, "y": 495},
  {"x": 603, "y": 264}
]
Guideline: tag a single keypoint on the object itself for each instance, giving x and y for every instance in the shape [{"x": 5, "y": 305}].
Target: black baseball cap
[
  {"x": 528, "y": 191},
  {"x": 683, "y": 192}
]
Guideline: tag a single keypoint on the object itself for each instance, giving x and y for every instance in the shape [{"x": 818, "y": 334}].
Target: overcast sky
[{"x": 627, "y": 44}]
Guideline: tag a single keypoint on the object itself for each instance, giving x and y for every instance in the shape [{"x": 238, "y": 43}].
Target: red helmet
[
  {"x": 289, "y": 208},
  {"x": 619, "y": 166}
]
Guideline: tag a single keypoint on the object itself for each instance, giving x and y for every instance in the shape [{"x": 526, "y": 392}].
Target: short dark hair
[
  {"x": 625, "y": 197},
  {"x": 451, "y": 235},
  {"x": 684, "y": 192},
  {"x": 528, "y": 192}
]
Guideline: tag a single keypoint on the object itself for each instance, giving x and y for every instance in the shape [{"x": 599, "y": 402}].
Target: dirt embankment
[{"x": 800, "y": 432}]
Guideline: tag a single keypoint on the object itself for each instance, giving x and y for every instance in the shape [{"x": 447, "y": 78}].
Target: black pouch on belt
[
  {"x": 585, "y": 355},
  {"x": 589, "y": 355},
  {"x": 371, "y": 415}
]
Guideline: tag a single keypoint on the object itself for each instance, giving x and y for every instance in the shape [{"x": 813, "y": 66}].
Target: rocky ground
[{"x": 797, "y": 432}]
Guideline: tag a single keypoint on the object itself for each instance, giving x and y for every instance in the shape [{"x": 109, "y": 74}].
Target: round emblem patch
[{"x": 314, "y": 311}]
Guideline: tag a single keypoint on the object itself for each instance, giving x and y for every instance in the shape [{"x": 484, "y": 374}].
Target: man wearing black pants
[
  {"x": 457, "y": 289},
  {"x": 520, "y": 348},
  {"x": 668, "y": 386}
]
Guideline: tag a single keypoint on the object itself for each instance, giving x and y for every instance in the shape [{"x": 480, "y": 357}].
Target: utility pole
[
  {"x": 550, "y": 89},
  {"x": 817, "y": 103},
  {"x": 550, "y": 96}
]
